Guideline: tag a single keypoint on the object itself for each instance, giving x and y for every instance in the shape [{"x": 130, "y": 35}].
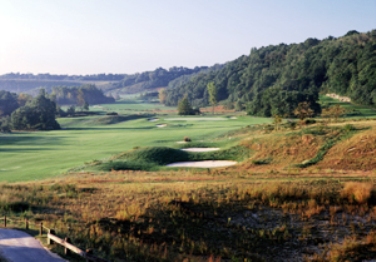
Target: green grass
[
  {"x": 130, "y": 106},
  {"x": 154, "y": 158},
  {"x": 353, "y": 110},
  {"x": 37, "y": 155}
]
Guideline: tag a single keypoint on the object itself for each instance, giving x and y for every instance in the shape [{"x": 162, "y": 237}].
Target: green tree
[
  {"x": 162, "y": 95},
  {"x": 213, "y": 93},
  {"x": 303, "y": 111},
  {"x": 333, "y": 112},
  {"x": 37, "y": 114},
  {"x": 8, "y": 103},
  {"x": 86, "y": 105},
  {"x": 184, "y": 107},
  {"x": 277, "y": 120}
]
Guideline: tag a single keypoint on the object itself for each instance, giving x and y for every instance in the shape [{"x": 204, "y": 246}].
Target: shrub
[
  {"x": 308, "y": 121},
  {"x": 357, "y": 191},
  {"x": 187, "y": 139},
  {"x": 348, "y": 128},
  {"x": 291, "y": 125},
  {"x": 264, "y": 161}
]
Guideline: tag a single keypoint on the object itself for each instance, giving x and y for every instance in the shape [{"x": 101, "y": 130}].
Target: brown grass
[
  {"x": 357, "y": 192},
  {"x": 356, "y": 153}
]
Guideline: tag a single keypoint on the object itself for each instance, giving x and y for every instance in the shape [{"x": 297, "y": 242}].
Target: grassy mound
[
  {"x": 152, "y": 158},
  {"x": 355, "y": 153},
  {"x": 113, "y": 119},
  {"x": 156, "y": 155},
  {"x": 300, "y": 148}
]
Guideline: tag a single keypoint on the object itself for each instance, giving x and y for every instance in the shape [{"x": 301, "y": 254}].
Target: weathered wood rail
[{"x": 53, "y": 239}]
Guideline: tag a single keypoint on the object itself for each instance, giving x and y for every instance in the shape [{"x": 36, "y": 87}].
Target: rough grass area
[
  {"x": 356, "y": 153},
  {"x": 201, "y": 216}
]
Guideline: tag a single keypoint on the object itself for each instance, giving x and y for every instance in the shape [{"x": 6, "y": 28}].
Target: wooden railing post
[
  {"x": 49, "y": 240},
  {"x": 88, "y": 252},
  {"x": 41, "y": 229},
  {"x": 66, "y": 250},
  {"x": 26, "y": 223},
  {"x": 5, "y": 220}
]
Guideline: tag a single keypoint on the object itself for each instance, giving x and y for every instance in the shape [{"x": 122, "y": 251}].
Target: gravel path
[{"x": 17, "y": 246}]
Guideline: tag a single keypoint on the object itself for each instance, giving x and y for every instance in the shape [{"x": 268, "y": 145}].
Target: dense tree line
[
  {"x": 8, "y": 103},
  {"x": 94, "y": 77},
  {"x": 160, "y": 77},
  {"x": 37, "y": 114},
  {"x": 22, "y": 112},
  {"x": 88, "y": 94},
  {"x": 275, "y": 79}
]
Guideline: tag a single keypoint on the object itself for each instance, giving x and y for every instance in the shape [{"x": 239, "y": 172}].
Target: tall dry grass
[{"x": 357, "y": 192}]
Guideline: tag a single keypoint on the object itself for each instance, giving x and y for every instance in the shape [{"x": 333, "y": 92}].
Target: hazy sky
[{"x": 128, "y": 36}]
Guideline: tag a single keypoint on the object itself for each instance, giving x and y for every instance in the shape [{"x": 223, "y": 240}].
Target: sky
[{"x": 129, "y": 36}]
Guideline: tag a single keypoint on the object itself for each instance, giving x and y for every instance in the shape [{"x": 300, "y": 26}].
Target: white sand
[
  {"x": 204, "y": 164},
  {"x": 196, "y": 119},
  {"x": 199, "y": 149},
  {"x": 161, "y": 125},
  {"x": 233, "y": 117}
]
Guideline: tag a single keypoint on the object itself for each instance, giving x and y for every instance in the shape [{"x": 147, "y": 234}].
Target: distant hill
[
  {"x": 110, "y": 84},
  {"x": 151, "y": 80},
  {"x": 271, "y": 79}
]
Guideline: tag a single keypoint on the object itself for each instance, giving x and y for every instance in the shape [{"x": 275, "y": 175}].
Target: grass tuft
[{"x": 357, "y": 192}]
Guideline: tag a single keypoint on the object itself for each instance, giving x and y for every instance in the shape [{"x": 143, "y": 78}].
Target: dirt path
[{"x": 17, "y": 246}]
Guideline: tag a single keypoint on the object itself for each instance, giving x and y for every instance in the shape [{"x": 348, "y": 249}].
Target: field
[
  {"x": 299, "y": 193},
  {"x": 38, "y": 155}
]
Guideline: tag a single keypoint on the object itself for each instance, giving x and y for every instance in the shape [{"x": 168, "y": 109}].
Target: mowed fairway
[{"x": 38, "y": 155}]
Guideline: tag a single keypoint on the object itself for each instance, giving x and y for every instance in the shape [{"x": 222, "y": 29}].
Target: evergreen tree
[
  {"x": 184, "y": 107},
  {"x": 212, "y": 90}
]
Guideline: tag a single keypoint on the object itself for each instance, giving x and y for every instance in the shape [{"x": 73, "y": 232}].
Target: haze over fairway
[{"x": 87, "y": 37}]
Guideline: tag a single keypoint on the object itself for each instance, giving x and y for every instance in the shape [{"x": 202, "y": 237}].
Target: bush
[
  {"x": 349, "y": 128},
  {"x": 264, "y": 161},
  {"x": 187, "y": 139},
  {"x": 309, "y": 121},
  {"x": 358, "y": 192},
  {"x": 291, "y": 125}
]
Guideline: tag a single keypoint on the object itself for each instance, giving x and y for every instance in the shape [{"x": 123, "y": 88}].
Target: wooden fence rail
[{"x": 52, "y": 239}]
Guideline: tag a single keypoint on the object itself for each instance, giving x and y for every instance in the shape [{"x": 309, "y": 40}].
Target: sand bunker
[
  {"x": 196, "y": 119},
  {"x": 161, "y": 125},
  {"x": 200, "y": 149},
  {"x": 233, "y": 117},
  {"x": 153, "y": 119},
  {"x": 204, "y": 164}
]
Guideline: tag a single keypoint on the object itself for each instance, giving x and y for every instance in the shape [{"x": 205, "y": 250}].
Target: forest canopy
[
  {"x": 89, "y": 94},
  {"x": 276, "y": 78}
]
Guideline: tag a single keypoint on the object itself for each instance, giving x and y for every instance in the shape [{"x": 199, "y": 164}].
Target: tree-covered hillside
[
  {"x": 80, "y": 95},
  {"x": 274, "y": 79},
  {"x": 111, "y": 84},
  {"x": 160, "y": 77}
]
